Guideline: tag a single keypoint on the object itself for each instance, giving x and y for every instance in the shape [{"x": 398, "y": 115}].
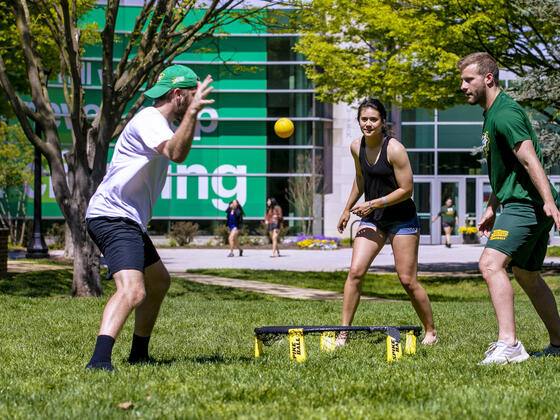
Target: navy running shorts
[{"x": 123, "y": 244}]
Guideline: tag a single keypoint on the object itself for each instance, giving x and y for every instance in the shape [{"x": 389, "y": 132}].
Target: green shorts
[{"x": 522, "y": 232}]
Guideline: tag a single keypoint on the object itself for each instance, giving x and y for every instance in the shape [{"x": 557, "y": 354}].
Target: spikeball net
[{"x": 269, "y": 335}]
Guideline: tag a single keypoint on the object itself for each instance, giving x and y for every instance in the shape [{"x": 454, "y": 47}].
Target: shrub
[
  {"x": 183, "y": 232},
  {"x": 263, "y": 230},
  {"x": 57, "y": 232},
  {"x": 222, "y": 232}
]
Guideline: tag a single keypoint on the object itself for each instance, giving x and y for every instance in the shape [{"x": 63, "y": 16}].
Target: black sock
[
  {"x": 101, "y": 358},
  {"x": 139, "y": 350}
]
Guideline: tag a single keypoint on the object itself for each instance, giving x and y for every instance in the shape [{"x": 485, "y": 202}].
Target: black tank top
[{"x": 379, "y": 181}]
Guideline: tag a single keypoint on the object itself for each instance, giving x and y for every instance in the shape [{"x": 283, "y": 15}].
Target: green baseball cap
[{"x": 175, "y": 76}]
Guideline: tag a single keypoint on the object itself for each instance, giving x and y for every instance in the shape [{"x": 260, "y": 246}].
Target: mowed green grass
[
  {"x": 553, "y": 251},
  {"x": 203, "y": 345},
  {"x": 440, "y": 288}
]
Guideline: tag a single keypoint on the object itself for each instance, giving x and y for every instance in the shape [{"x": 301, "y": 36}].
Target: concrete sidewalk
[
  {"x": 432, "y": 258},
  {"x": 459, "y": 259}
]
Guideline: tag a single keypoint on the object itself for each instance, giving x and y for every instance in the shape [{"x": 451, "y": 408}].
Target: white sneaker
[
  {"x": 549, "y": 351},
  {"x": 501, "y": 352}
]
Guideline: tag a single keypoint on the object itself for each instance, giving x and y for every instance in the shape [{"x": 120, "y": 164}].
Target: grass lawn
[
  {"x": 377, "y": 285},
  {"x": 203, "y": 344},
  {"x": 553, "y": 251}
]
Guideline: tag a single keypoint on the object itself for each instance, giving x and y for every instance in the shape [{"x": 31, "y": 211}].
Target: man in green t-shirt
[{"x": 519, "y": 236}]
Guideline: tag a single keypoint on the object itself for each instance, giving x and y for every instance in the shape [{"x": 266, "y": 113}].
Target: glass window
[
  {"x": 471, "y": 199},
  {"x": 461, "y": 113},
  {"x": 287, "y": 76},
  {"x": 557, "y": 187},
  {"x": 289, "y": 161},
  {"x": 459, "y": 136},
  {"x": 553, "y": 170},
  {"x": 303, "y": 134},
  {"x": 289, "y": 104},
  {"x": 281, "y": 49},
  {"x": 415, "y": 115},
  {"x": 417, "y": 136},
  {"x": 422, "y": 163},
  {"x": 421, "y": 196},
  {"x": 458, "y": 163}
]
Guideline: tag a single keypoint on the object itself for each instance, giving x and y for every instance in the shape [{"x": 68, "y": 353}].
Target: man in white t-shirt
[{"x": 122, "y": 206}]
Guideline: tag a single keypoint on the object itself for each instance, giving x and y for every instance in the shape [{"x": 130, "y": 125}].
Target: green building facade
[{"x": 236, "y": 154}]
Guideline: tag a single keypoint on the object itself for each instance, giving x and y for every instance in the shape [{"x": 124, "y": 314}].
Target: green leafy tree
[
  {"x": 16, "y": 155},
  {"x": 405, "y": 52},
  {"x": 162, "y": 30},
  {"x": 13, "y": 54}
]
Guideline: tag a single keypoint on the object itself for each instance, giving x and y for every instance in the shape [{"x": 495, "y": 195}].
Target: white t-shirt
[{"x": 137, "y": 172}]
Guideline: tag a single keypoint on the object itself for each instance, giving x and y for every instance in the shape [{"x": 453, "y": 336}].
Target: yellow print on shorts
[{"x": 499, "y": 234}]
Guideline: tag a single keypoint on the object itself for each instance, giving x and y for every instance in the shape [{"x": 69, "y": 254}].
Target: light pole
[{"x": 37, "y": 247}]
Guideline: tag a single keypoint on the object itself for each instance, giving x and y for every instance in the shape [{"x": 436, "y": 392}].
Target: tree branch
[{"x": 20, "y": 109}]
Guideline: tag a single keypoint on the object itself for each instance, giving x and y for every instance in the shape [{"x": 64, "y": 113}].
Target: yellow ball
[{"x": 284, "y": 128}]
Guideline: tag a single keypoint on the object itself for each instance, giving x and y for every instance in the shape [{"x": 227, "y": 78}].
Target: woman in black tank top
[{"x": 384, "y": 177}]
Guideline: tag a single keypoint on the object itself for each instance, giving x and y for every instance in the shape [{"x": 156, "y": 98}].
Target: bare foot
[
  {"x": 341, "y": 339},
  {"x": 430, "y": 338}
]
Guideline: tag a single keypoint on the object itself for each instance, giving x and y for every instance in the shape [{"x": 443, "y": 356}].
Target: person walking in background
[
  {"x": 234, "y": 222},
  {"x": 449, "y": 220},
  {"x": 519, "y": 236},
  {"x": 273, "y": 219},
  {"x": 384, "y": 177},
  {"x": 120, "y": 209}
]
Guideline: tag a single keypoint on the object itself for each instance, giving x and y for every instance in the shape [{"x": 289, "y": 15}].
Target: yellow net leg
[
  {"x": 297, "y": 345},
  {"x": 394, "y": 350},
  {"x": 258, "y": 347},
  {"x": 410, "y": 344},
  {"x": 327, "y": 341}
]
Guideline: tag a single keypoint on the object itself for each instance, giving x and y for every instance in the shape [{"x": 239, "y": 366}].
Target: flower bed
[
  {"x": 319, "y": 241},
  {"x": 470, "y": 234}
]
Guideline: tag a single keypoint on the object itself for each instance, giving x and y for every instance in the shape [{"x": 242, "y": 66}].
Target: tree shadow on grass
[
  {"x": 46, "y": 283},
  {"x": 216, "y": 358},
  {"x": 210, "y": 359}
]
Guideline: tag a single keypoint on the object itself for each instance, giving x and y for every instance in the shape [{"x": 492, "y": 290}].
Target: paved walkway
[
  {"x": 432, "y": 258},
  {"x": 270, "y": 288}
]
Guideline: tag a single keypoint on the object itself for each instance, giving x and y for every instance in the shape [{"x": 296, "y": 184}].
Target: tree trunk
[
  {"x": 68, "y": 243},
  {"x": 86, "y": 281}
]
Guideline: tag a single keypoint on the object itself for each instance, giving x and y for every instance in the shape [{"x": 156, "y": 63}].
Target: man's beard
[{"x": 182, "y": 110}]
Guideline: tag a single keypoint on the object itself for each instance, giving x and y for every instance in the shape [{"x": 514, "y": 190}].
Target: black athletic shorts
[
  {"x": 273, "y": 226},
  {"x": 123, "y": 244}
]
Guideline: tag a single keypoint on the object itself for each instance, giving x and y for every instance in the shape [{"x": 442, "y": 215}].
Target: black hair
[
  {"x": 378, "y": 106},
  {"x": 273, "y": 202},
  {"x": 238, "y": 210}
]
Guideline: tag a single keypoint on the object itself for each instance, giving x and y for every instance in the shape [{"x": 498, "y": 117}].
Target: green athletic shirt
[
  {"x": 448, "y": 214},
  {"x": 505, "y": 125}
]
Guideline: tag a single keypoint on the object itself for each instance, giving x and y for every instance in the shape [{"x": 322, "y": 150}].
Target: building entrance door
[
  {"x": 455, "y": 189},
  {"x": 422, "y": 196},
  {"x": 468, "y": 193}
]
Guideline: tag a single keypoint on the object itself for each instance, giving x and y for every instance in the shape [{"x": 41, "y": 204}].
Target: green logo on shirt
[{"x": 485, "y": 143}]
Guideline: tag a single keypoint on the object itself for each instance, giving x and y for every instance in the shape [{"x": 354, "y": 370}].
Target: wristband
[{"x": 384, "y": 201}]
